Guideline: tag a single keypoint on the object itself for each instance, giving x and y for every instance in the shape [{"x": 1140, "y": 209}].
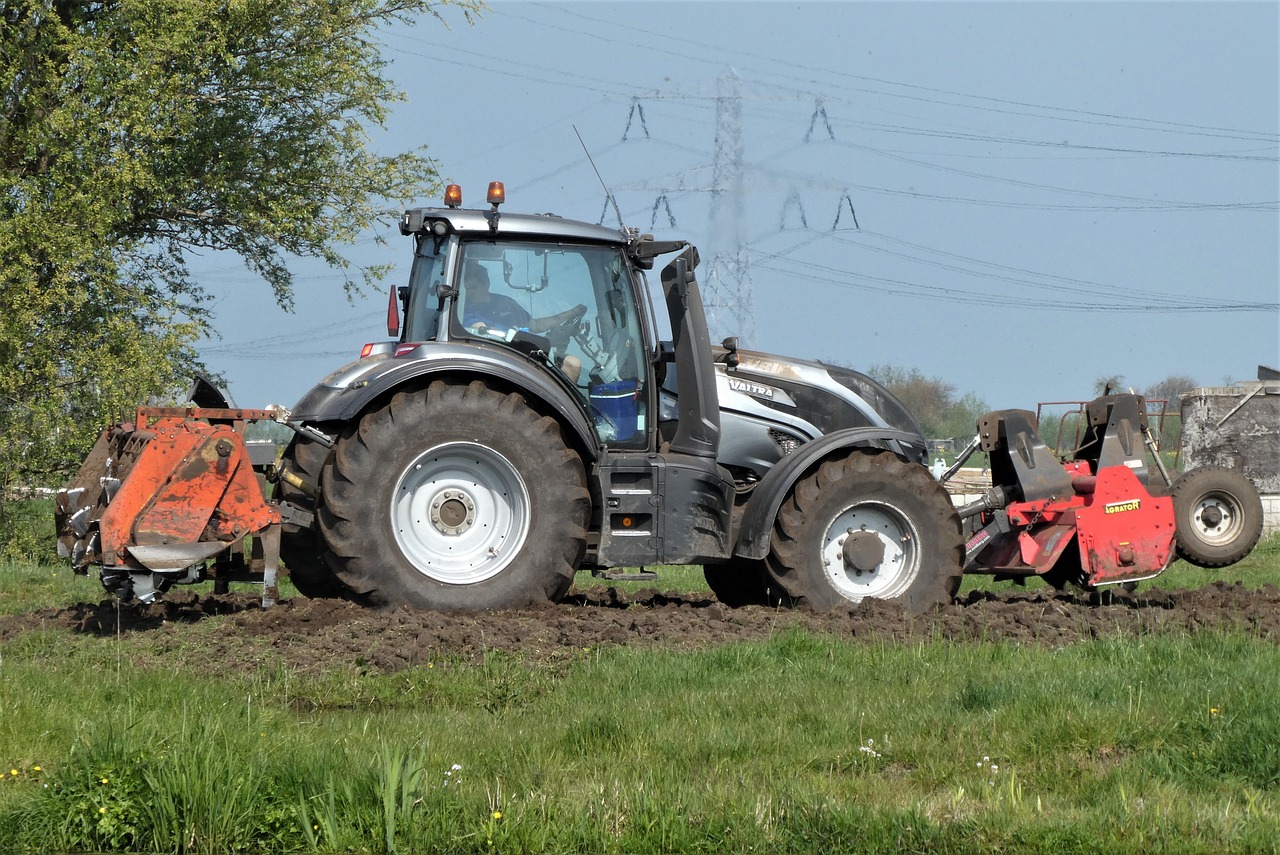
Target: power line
[
  {"x": 905, "y": 288},
  {"x": 1095, "y": 117}
]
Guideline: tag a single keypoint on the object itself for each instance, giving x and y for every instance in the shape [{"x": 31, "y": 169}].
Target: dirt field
[{"x": 233, "y": 632}]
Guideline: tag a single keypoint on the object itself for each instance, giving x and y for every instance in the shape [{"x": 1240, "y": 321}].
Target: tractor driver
[{"x": 485, "y": 311}]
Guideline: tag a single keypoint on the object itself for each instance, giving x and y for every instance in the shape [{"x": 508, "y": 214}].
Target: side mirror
[
  {"x": 663, "y": 358},
  {"x": 730, "y": 346}
]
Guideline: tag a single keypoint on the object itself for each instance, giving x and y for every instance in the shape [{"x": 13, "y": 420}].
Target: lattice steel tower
[{"x": 727, "y": 288}]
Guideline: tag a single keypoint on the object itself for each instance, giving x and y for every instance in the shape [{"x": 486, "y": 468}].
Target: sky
[{"x": 1018, "y": 198}]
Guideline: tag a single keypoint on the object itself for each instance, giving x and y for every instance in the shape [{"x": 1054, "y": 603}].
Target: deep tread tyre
[
  {"x": 301, "y": 548},
  {"x": 741, "y": 583},
  {"x": 908, "y": 535},
  {"x": 1218, "y": 515},
  {"x": 456, "y": 497}
]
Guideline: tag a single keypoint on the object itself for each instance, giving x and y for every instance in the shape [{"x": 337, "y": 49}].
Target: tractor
[{"x": 532, "y": 414}]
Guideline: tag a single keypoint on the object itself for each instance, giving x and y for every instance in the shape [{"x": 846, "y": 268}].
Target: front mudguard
[{"x": 756, "y": 527}]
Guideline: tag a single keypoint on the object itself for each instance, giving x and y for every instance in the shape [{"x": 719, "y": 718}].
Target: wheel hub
[
  {"x": 863, "y": 550},
  {"x": 1217, "y": 520},
  {"x": 460, "y": 513},
  {"x": 1211, "y": 516},
  {"x": 452, "y": 512},
  {"x": 870, "y": 550}
]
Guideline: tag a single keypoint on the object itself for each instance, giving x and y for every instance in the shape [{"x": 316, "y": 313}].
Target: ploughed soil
[{"x": 232, "y": 632}]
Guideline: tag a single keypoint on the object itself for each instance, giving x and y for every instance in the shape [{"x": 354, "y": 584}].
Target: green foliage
[
  {"x": 136, "y": 131},
  {"x": 26, "y": 531}
]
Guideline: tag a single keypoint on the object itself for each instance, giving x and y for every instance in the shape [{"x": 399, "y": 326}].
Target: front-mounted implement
[
  {"x": 173, "y": 498},
  {"x": 1098, "y": 518}
]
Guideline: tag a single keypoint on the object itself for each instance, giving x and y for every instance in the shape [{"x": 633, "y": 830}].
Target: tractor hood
[{"x": 814, "y": 397}]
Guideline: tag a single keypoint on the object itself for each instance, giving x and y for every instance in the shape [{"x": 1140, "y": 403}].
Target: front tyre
[
  {"x": 459, "y": 497},
  {"x": 868, "y": 525},
  {"x": 1218, "y": 515}
]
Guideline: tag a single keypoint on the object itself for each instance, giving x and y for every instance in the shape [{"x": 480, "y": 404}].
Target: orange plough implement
[{"x": 157, "y": 499}]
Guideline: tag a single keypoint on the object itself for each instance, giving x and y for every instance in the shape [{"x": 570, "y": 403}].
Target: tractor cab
[{"x": 563, "y": 294}]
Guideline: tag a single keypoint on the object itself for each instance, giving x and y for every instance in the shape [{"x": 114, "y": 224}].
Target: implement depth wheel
[
  {"x": 868, "y": 525},
  {"x": 459, "y": 497},
  {"x": 1218, "y": 515}
]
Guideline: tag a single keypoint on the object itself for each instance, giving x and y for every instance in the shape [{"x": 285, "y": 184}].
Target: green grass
[
  {"x": 800, "y": 743},
  {"x": 671, "y": 577},
  {"x": 25, "y": 585}
]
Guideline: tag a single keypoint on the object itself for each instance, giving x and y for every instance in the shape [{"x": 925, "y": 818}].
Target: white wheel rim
[
  {"x": 460, "y": 513},
  {"x": 895, "y": 572},
  {"x": 1229, "y": 519}
]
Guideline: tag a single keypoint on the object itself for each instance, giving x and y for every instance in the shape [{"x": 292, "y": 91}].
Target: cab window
[
  {"x": 578, "y": 300},
  {"x": 422, "y": 317}
]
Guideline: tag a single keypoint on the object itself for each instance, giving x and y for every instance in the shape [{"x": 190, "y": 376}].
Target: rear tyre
[
  {"x": 1218, "y": 515},
  {"x": 301, "y": 548},
  {"x": 459, "y": 497},
  {"x": 868, "y": 525}
]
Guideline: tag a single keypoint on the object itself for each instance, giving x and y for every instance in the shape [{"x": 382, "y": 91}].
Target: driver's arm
[{"x": 541, "y": 325}]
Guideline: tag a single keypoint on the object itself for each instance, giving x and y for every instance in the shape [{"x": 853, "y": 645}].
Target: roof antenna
[{"x": 607, "y": 193}]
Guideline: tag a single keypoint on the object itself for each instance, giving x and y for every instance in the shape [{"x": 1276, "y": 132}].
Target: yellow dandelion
[
  {"x": 497, "y": 814},
  {"x": 36, "y": 769},
  {"x": 13, "y": 772},
  {"x": 106, "y": 780},
  {"x": 102, "y": 810}
]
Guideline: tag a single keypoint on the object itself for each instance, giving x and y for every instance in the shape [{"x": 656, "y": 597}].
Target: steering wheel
[
  {"x": 570, "y": 327},
  {"x": 573, "y": 320}
]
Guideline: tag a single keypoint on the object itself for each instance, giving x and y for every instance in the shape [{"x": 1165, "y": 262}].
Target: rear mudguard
[
  {"x": 346, "y": 393},
  {"x": 767, "y": 497}
]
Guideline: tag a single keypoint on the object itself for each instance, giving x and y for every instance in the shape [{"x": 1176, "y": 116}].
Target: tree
[
  {"x": 1171, "y": 389},
  {"x": 1112, "y": 383},
  {"x": 138, "y": 131},
  {"x": 932, "y": 401},
  {"x": 1167, "y": 421}
]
